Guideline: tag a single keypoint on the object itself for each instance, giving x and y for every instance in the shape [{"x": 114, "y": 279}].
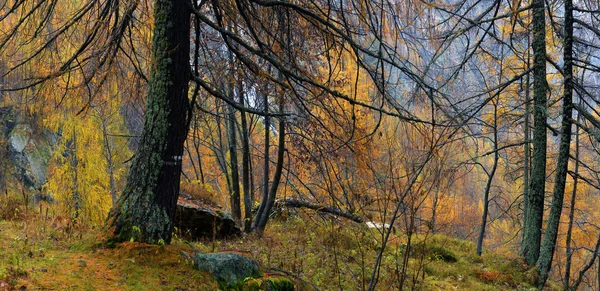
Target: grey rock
[
  {"x": 227, "y": 268},
  {"x": 29, "y": 153}
]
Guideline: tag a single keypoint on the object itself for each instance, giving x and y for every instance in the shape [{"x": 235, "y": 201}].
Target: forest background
[{"x": 432, "y": 117}]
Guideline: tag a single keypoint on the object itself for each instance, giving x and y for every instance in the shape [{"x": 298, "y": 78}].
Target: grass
[
  {"x": 41, "y": 258},
  {"x": 40, "y": 254},
  {"x": 333, "y": 256}
]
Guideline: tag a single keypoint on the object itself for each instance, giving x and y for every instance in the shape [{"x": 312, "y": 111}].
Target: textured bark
[
  {"x": 246, "y": 169},
  {"x": 533, "y": 225},
  {"x": 527, "y": 155},
  {"x": 562, "y": 165},
  {"x": 569, "y": 250},
  {"x": 236, "y": 210},
  {"x": 145, "y": 211}
]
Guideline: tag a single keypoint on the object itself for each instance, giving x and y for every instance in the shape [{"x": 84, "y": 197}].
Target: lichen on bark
[{"x": 146, "y": 209}]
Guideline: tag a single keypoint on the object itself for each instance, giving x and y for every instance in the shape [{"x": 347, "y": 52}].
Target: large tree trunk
[
  {"x": 526, "y": 152},
  {"x": 533, "y": 225},
  {"x": 146, "y": 209},
  {"x": 562, "y": 165}
]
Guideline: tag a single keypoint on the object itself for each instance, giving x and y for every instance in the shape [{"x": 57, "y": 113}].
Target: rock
[
  {"x": 30, "y": 154},
  {"x": 19, "y": 138},
  {"x": 228, "y": 269},
  {"x": 197, "y": 219}
]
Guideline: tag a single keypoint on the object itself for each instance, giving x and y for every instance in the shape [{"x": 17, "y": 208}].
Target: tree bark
[
  {"x": 488, "y": 186},
  {"x": 265, "y": 196},
  {"x": 236, "y": 210},
  {"x": 569, "y": 250},
  {"x": 533, "y": 225},
  {"x": 527, "y": 153},
  {"x": 262, "y": 223},
  {"x": 246, "y": 166},
  {"x": 562, "y": 165},
  {"x": 145, "y": 211}
]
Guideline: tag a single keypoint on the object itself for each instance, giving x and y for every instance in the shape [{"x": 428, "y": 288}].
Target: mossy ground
[
  {"x": 39, "y": 255},
  {"x": 41, "y": 258},
  {"x": 333, "y": 256}
]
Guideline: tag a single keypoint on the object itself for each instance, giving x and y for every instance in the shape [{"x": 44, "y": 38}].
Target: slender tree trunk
[
  {"x": 189, "y": 153},
  {"x": 265, "y": 196},
  {"x": 196, "y": 143},
  {"x": 587, "y": 266},
  {"x": 75, "y": 165},
  {"x": 246, "y": 166},
  {"x": 569, "y": 251},
  {"x": 544, "y": 262},
  {"x": 146, "y": 209},
  {"x": 236, "y": 210},
  {"x": 432, "y": 226},
  {"x": 277, "y": 176},
  {"x": 533, "y": 226},
  {"x": 109, "y": 161},
  {"x": 220, "y": 149},
  {"x": 488, "y": 186}
]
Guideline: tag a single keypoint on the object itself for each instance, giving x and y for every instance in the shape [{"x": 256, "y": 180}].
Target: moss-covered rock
[
  {"x": 434, "y": 252},
  {"x": 228, "y": 269}
]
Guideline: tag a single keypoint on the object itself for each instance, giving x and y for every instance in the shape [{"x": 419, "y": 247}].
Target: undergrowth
[
  {"x": 334, "y": 255},
  {"x": 41, "y": 252}
]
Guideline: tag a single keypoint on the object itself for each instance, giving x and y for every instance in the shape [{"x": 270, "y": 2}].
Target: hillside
[{"x": 39, "y": 252}]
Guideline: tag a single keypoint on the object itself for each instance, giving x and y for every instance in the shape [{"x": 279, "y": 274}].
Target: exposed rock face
[
  {"x": 227, "y": 268},
  {"x": 196, "y": 219},
  {"x": 30, "y": 155}
]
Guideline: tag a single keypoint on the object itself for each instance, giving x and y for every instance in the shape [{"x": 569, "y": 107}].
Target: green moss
[
  {"x": 268, "y": 284},
  {"x": 433, "y": 251}
]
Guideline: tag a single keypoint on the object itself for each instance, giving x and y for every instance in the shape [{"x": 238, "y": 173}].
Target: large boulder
[
  {"x": 228, "y": 269},
  {"x": 30, "y": 154},
  {"x": 196, "y": 219}
]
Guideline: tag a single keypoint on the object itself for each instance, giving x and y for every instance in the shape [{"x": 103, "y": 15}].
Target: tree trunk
[
  {"x": 146, "y": 209},
  {"x": 272, "y": 193},
  {"x": 108, "y": 154},
  {"x": 246, "y": 167},
  {"x": 533, "y": 225},
  {"x": 236, "y": 210},
  {"x": 74, "y": 166},
  {"x": 562, "y": 165},
  {"x": 569, "y": 251},
  {"x": 527, "y": 153},
  {"x": 488, "y": 186},
  {"x": 265, "y": 196}
]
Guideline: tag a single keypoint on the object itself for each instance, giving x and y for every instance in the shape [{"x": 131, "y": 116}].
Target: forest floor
[{"x": 48, "y": 253}]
